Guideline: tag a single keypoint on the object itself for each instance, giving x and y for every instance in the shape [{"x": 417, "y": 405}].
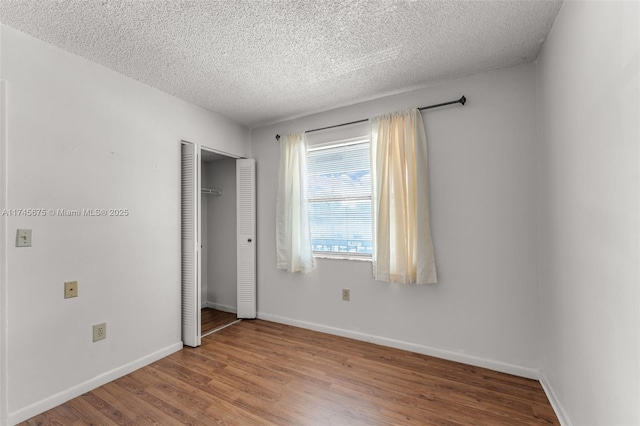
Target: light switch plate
[
  {"x": 23, "y": 238},
  {"x": 70, "y": 289}
]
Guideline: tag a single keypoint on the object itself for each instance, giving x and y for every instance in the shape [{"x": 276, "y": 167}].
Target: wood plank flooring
[
  {"x": 212, "y": 319},
  {"x": 261, "y": 373}
]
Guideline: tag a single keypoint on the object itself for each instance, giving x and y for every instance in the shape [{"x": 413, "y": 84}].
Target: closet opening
[
  {"x": 218, "y": 228},
  {"x": 218, "y": 242}
]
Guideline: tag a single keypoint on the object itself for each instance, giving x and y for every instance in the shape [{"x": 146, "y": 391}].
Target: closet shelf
[{"x": 211, "y": 191}]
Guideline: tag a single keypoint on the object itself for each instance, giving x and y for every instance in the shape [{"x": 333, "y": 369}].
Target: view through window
[{"x": 339, "y": 187}]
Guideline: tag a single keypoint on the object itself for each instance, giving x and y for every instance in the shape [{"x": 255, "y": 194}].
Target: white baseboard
[
  {"x": 561, "y": 414},
  {"x": 64, "y": 396},
  {"x": 516, "y": 370},
  {"x": 223, "y": 308}
]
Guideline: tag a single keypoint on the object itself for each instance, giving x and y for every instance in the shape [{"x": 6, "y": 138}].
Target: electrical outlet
[
  {"x": 70, "y": 289},
  {"x": 99, "y": 331},
  {"x": 346, "y": 294}
]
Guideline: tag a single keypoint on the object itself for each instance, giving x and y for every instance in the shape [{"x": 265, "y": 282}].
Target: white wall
[
  {"x": 483, "y": 206},
  {"x": 222, "y": 237},
  {"x": 589, "y": 160},
  {"x": 3, "y": 257},
  {"x": 82, "y": 136}
]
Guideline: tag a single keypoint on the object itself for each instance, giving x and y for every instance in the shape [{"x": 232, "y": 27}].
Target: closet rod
[
  {"x": 211, "y": 191},
  {"x": 462, "y": 101}
]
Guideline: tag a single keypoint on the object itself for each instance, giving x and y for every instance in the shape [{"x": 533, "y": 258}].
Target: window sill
[{"x": 341, "y": 257}]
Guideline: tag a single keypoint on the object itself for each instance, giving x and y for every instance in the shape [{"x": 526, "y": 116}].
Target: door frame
[{"x": 198, "y": 220}]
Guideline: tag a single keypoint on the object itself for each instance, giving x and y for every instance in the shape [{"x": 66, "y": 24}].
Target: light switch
[
  {"x": 70, "y": 289},
  {"x": 23, "y": 238}
]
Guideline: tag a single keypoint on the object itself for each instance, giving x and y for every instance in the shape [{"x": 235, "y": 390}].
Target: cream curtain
[
  {"x": 293, "y": 236},
  {"x": 402, "y": 245}
]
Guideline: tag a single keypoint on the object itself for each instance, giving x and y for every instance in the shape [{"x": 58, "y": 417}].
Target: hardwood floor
[
  {"x": 258, "y": 372},
  {"x": 212, "y": 319}
]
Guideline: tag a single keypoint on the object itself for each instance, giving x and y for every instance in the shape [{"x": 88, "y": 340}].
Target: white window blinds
[{"x": 339, "y": 190}]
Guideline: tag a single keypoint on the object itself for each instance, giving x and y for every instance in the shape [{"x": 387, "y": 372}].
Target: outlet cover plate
[
  {"x": 99, "y": 331},
  {"x": 70, "y": 289},
  {"x": 346, "y": 294}
]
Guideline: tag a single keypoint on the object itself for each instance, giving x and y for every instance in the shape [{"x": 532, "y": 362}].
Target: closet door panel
[
  {"x": 246, "y": 220},
  {"x": 190, "y": 258}
]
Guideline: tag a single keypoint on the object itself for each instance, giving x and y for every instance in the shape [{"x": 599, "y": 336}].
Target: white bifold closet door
[
  {"x": 190, "y": 196},
  {"x": 246, "y": 223}
]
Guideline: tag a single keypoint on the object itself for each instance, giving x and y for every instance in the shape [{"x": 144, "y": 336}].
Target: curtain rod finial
[
  {"x": 278, "y": 138},
  {"x": 463, "y": 100}
]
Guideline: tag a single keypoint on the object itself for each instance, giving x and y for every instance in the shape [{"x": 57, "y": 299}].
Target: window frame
[{"x": 363, "y": 257}]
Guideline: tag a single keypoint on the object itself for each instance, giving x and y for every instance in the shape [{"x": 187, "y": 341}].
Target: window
[{"x": 339, "y": 189}]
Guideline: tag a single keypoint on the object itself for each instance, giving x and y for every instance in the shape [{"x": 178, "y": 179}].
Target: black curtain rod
[{"x": 462, "y": 101}]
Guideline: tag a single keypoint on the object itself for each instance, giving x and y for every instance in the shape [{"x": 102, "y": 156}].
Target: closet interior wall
[{"x": 221, "y": 236}]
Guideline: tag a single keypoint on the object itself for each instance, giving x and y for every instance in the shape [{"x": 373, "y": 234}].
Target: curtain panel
[
  {"x": 402, "y": 243},
  {"x": 293, "y": 235}
]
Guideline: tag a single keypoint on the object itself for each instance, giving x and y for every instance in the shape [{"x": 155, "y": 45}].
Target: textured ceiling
[{"x": 259, "y": 62}]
